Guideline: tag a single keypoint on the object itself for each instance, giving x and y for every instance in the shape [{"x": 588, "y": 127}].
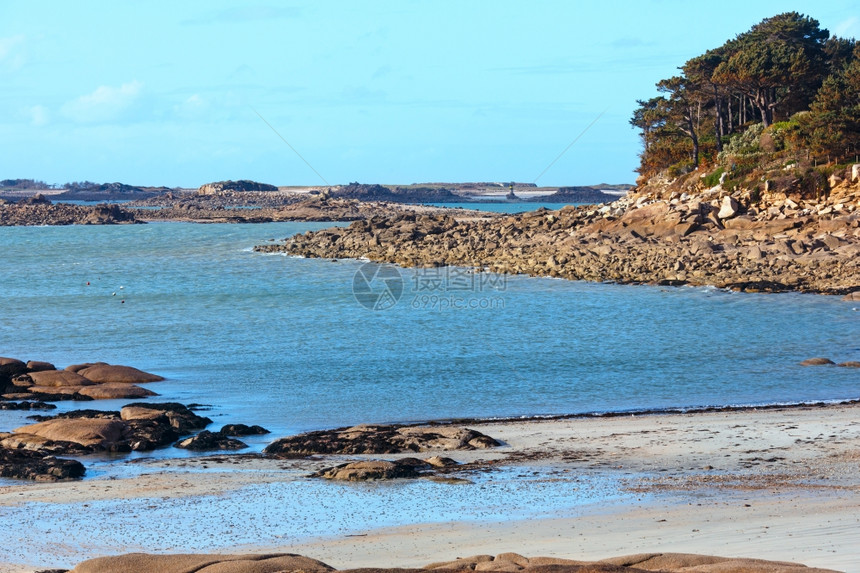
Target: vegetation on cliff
[{"x": 783, "y": 95}]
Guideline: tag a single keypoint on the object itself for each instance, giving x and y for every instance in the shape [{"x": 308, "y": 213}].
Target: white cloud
[
  {"x": 10, "y": 54},
  {"x": 106, "y": 103},
  {"x": 192, "y": 107},
  {"x": 38, "y": 115},
  {"x": 848, "y": 28}
]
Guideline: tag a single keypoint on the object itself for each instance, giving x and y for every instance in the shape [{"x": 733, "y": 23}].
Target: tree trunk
[{"x": 694, "y": 137}]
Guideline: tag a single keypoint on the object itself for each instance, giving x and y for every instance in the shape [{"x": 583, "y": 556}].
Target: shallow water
[
  {"x": 283, "y": 342},
  {"x": 281, "y": 513}
]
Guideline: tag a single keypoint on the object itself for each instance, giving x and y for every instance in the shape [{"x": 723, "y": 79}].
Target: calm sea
[{"x": 286, "y": 343}]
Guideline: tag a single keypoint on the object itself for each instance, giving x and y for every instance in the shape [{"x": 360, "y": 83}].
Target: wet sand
[{"x": 775, "y": 484}]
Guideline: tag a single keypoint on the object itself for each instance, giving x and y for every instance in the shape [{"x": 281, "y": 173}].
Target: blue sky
[{"x": 165, "y": 93}]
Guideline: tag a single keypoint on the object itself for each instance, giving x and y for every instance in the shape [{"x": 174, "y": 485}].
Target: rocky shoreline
[
  {"x": 29, "y": 451},
  {"x": 39, "y": 211},
  {"x": 713, "y": 238},
  {"x": 504, "y": 562}
]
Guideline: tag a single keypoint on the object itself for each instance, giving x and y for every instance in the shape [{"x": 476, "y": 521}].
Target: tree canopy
[{"x": 785, "y": 67}]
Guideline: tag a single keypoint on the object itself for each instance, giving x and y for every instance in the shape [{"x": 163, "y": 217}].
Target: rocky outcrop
[
  {"x": 137, "y": 427},
  {"x": 590, "y": 195},
  {"x": 678, "y": 241},
  {"x": 241, "y": 186},
  {"x": 46, "y": 213},
  {"x": 177, "y": 416},
  {"x": 507, "y": 562},
  {"x": 102, "y": 373},
  {"x": 370, "y": 439},
  {"x": 41, "y": 381},
  {"x": 26, "y": 464},
  {"x": 109, "y": 192}
]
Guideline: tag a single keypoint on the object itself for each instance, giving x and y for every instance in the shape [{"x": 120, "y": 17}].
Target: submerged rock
[
  {"x": 816, "y": 362},
  {"x": 243, "y": 430}
]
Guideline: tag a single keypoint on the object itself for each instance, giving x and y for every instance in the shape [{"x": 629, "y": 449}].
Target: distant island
[{"x": 471, "y": 192}]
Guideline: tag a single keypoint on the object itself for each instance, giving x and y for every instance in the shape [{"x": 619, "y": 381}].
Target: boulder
[
  {"x": 853, "y": 296},
  {"x": 849, "y": 364},
  {"x": 57, "y": 392},
  {"x": 728, "y": 208},
  {"x": 111, "y": 391},
  {"x": 26, "y": 464},
  {"x": 32, "y": 442},
  {"x": 855, "y": 172},
  {"x": 201, "y": 563},
  {"x": 107, "y": 373},
  {"x": 178, "y": 415},
  {"x": 11, "y": 367},
  {"x": 79, "y": 367},
  {"x": 145, "y": 435},
  {"x": 59, "y": 378},
  {"x": 207, "y": 440},
  {"x": 93, "y": 433},
  {"x": 816, "y": 362},
  {"x": 37, "y": 366},
  {"x": 243, "y": 430},
  {"x": 139, "y": 413},
  {"x": 371, "y": 439}
]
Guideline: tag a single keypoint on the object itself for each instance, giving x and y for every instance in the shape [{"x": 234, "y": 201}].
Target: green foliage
[
  {"x": 744, "y": 143},
  {"x": 713, "y": 178},
  {"x": 681, "y": 168},
  {"x": 799, "y": 86}
]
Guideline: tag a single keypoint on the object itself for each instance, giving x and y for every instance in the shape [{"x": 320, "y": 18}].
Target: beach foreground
[{"x": 777, "y": 484}]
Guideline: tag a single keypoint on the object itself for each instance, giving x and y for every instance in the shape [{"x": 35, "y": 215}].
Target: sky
[{"x": 328, "y": 92}]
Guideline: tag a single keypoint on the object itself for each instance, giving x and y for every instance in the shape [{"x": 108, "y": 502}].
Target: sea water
[
  {"x": 285, "y": 342},
  {"x": 298, "y": 344}
]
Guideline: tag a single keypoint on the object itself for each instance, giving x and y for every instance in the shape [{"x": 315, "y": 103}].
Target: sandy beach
[{"x": 775, "y": 484}]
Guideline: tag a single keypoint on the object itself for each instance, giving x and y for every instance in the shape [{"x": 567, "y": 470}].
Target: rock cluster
[
  {"x": 137, "y": 427},
  {"x": 380, "y": 439},
  {"x": 28, "y": 452},
  {"x": 683, "y": 240},
  {"x": 42, "y": 381},
  {"x": 45, "y": 213},
  {"x": 507, "y": 562},
  {"x": 39, "y": 466},
  {"x": 268, "y": 207}
]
